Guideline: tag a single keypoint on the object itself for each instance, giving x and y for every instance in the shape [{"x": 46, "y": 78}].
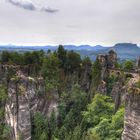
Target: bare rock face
[
  {"x": 132, "y": 112},
  {"x": 85, "y": 77},
  {"x": 138, "y": 63},
  {"x": 103, "y": 62},
  {"x": 117, "y": 95},
  {"x": 107, "y": 61},
  {"x": 118, "y": 90},
  {"x": 111, "y": 59},
  {"x": 26, "y": 96},
  {"x": 102, "y": 59},
  {"x": 102, "y": 88}
]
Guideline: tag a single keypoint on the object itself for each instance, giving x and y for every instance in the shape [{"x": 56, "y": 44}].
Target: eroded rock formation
[
  {"x": 132, "y": 111},
  {"x": 107, "y": 61},
  {"x": 26, "y": 96},
  {"x": 138, "y": 63}
]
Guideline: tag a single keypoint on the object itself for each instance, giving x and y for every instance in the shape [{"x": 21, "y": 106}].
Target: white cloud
[{"x": 32, "y": 5}]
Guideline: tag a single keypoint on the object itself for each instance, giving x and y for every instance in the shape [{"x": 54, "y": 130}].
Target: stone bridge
[{"x": 134, "y": 73}]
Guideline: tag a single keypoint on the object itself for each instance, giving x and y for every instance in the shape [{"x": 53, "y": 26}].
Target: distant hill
[
  {"x": 127, "y": 50},
  {"x": 124, "y": 50},
  {"x": 84, "y": 47}
]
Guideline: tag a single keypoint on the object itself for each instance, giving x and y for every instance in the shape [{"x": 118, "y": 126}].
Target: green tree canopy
[
  {"x": 96, "y": 73},
  {"x": 128, "y": 65},
  {"x": 100, "y": 108},
  {"x": 73, "y": 61},
  {"x": 61, "y": 52}
]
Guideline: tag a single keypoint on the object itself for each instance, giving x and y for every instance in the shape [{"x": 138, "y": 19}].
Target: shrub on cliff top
[
  {"x": 138, "y": 84},
  {"x": 128, "y": 65}
]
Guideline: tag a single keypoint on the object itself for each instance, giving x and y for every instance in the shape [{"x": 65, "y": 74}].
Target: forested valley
[{"x": 60, "y": 96}]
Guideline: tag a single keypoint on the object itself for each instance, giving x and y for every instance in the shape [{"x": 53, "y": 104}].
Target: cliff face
[
  {"x": 132, "y": 112},
  {"x": 138, "y": 63},
  {"x": 117, "y": 94},
  {"x": 26, "y": 96}
]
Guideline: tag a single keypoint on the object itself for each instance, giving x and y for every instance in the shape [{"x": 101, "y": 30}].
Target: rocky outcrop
[
  {"x": 107, "y": 61},
  {"x": 117, "y": 95},
  {"x": 111, "y": 59},
  {"x": 138, "y": 63},
  {"x": 86, "y": 77},
  {"x": 102, "y": 88},
  {"x": 26, "y": 96},
  {"x": 132, "y": 111},
  {"x": 103, "y": 62}
]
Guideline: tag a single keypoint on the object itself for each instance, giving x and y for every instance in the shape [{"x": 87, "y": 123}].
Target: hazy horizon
[{"x": 92, "y": 45}]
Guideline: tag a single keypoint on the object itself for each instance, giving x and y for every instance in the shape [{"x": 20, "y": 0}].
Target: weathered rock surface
[
  {"x": 138, "y": 63},
  {"x": 85, "y": 77},
  {"x": 117, "y": 94},
  {"x": 107, "y": 61},
  {"x": 132, "y": 112},
  {"x": 102, "y": 88},
  {"x": 111, "y": 59},
  {"x": 26, "y": 96}
]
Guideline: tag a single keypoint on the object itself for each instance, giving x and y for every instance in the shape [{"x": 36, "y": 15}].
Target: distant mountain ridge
[
  {"x": 124, "y": 50},
  {"x": 127, "y": 50}
]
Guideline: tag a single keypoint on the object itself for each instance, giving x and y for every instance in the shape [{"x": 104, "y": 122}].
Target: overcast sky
[{"x": 43, "y": 22}]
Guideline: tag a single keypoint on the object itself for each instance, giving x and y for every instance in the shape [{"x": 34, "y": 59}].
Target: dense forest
[{"x": 83, "y": 113}]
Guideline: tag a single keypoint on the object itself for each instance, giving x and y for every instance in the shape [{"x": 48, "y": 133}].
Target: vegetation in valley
[{"x": 81, "y": 116}]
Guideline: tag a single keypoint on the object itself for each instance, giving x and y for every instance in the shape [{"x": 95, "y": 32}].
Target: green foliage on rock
[
  {"x": 3, "y": 94},
  {"x": 40, "y": 129},
  {"x": 111, "y": 80},
  {"x": 79, "y": 118},
  {"x": 50, "y": 71},
  {"x": 128, "y": 65},
  {"x": 26, "y": 58},
  {"x": 4, "y": 129},
  {"x": 73, "y": 61},
  {"x": 96, "y": 73},
  {"x": 138, "y": 84},
  {"x": 86, "y": 61}
]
